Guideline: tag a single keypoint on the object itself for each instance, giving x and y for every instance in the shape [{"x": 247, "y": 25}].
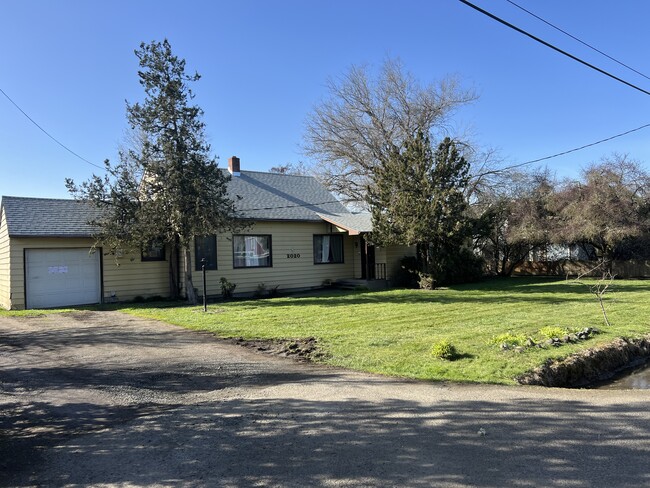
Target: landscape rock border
[{"x": 590, "y": 366}]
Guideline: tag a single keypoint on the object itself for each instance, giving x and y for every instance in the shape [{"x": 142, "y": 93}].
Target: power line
[
  {"x": 298, "y": 205},
  {"x": 555, "y": 48},
  {"x": 47, "y": 133},
  {"x": 518, "y": 165},
  {"x": 545, "y": 158},
  {"x": 577, "y": 39}
]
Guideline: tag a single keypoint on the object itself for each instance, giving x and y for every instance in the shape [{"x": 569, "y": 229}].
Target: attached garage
[
  {"x": 48, "y": 259},
  {"x": 62, "y": 277}
]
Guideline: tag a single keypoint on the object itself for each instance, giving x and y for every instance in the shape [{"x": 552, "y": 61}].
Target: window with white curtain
[
  {"x": 328, "y": 249},
  {"x": 251, "y": 251}
]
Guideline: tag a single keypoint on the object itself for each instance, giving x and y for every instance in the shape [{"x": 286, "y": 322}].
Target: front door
[
  {"x": 367, "y": 260},
  {"x": 370, "y": 261}
]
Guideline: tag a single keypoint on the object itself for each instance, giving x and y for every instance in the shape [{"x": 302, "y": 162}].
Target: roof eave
[{"x": 351, "y": 231}]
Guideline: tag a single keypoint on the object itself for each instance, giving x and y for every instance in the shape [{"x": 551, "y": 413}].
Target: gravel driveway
[{"x": 105, "y": 399}]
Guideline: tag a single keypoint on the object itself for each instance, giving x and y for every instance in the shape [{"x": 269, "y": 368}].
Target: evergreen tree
[
  {"x": 166, "y": 189},
  {"x": 417, "y": 199}
]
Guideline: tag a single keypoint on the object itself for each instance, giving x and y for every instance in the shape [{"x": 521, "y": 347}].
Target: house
[{"x": 299, "y": 237}]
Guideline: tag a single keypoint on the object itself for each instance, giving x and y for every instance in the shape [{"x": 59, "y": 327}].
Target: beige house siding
[
  {"x": 393, "y": 255},
  {"x": 287, "y": 239},
  {"x": 128, "y": 277},
  {"x": 17, "y": 269},
  {"x": 123, "y": 279},
  {"x": 5, "y": 276}
]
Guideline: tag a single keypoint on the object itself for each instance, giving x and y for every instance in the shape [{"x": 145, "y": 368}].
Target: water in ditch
[{"x": 637, "y": 379}]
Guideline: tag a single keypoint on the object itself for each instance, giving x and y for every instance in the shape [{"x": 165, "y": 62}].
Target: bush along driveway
[{"x": 107, "y": 399}]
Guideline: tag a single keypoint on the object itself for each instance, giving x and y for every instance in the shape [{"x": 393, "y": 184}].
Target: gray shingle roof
[
  {"x": 48, "y": 217},
  {"x": 272, "y": 196},
  {"x": 259, "y": 196}
]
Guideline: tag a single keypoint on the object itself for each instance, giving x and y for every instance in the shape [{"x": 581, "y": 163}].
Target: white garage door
[{"x": 61, "y": 277}]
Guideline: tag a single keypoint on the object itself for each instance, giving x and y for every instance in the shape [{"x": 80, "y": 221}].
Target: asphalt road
[{"x": 105, "y": 399}]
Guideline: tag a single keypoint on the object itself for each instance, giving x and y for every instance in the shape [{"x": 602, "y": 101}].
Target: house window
[
  {"x": 205, "y": 247},
  {"x": 328, "y": 249},
  {"x": 155, "y": 251},
  {"x": 251, "y": 251}
]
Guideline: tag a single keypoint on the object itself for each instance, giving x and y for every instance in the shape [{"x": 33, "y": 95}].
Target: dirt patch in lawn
[
  {"x": 590, "y": 366},
  {"x": 305, "y": 350}
]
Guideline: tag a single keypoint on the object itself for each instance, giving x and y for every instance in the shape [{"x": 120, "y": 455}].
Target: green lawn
[{"x": 392, "y": 332}]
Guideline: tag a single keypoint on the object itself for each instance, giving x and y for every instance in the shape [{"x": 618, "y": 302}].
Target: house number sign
[{"x": 293, "y": 255}]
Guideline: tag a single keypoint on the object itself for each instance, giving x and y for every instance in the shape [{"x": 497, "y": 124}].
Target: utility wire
[
  {"x": 577, "y": 39},
  {"x": 505, "y": 168},
  {"x": 545, "y": 158},
  {"x": 298, "y": 205},
  {"x": 555, "y": 48},
  {"x": 47, "y": 133}
]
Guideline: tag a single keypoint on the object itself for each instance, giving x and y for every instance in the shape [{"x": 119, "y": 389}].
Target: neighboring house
[
  {"x": 558, "y": 252},
  {"x": 299, "y": 237}
]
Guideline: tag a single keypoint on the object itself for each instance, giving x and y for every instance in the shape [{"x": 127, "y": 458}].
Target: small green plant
[
  {"x": 426, "y": 281},
  {"x": 227, "y": 288},
  {"x": 273, "y": 292},
  {"x": 444, "y": 350},
  {"x": 553, "y": 331},
  {"x": 509, "y": 339},
  {"x": 407, "y": 274},
  {"x": 260, "y": 291}
]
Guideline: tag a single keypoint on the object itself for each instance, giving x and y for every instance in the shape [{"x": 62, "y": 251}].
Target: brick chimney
[{"x": 233, "y": 166}]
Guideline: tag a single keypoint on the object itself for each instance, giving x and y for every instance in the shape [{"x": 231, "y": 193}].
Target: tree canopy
[
  {"x": 366, "y": 119},
  {"x": 514, "y": 218},
  {"x": 417, "y": 198},
  {"x": 609, "y": 205}
]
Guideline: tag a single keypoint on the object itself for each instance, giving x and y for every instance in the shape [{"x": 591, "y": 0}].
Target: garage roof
[{"x": 48, "y": 217}]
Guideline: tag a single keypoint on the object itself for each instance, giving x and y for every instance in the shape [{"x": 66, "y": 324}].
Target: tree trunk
[
  {"x": 422, "y": 251},
  {"x": 173, "y": 273},
  {"x": 189, "y": 286}
]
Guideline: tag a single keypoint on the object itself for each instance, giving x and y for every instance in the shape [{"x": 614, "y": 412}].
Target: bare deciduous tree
[
  {"x": 610, "y": 204},
  {"x": 515, "y": 217},
  {"x": 298, "y": 169},
  {"x": 599, "y": 287},
  {"x": 367, "y": 119}
]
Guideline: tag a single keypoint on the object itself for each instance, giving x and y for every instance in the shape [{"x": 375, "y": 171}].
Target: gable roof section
[
  {"x": 272, "y": 196},
  {"x": 257, "y": 196},
  {"x": 48, "y": 217}
]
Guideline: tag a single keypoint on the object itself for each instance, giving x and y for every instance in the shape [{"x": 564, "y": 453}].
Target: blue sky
[{"x": 264, "y": 64}]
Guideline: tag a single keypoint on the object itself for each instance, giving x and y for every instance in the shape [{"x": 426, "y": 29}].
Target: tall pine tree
[{"x": 167, "y": 188}]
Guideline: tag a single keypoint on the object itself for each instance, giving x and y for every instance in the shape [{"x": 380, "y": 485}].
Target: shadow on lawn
[
  {"x": 492, "y": 291},
  {"x": 297, "y": 442}
]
